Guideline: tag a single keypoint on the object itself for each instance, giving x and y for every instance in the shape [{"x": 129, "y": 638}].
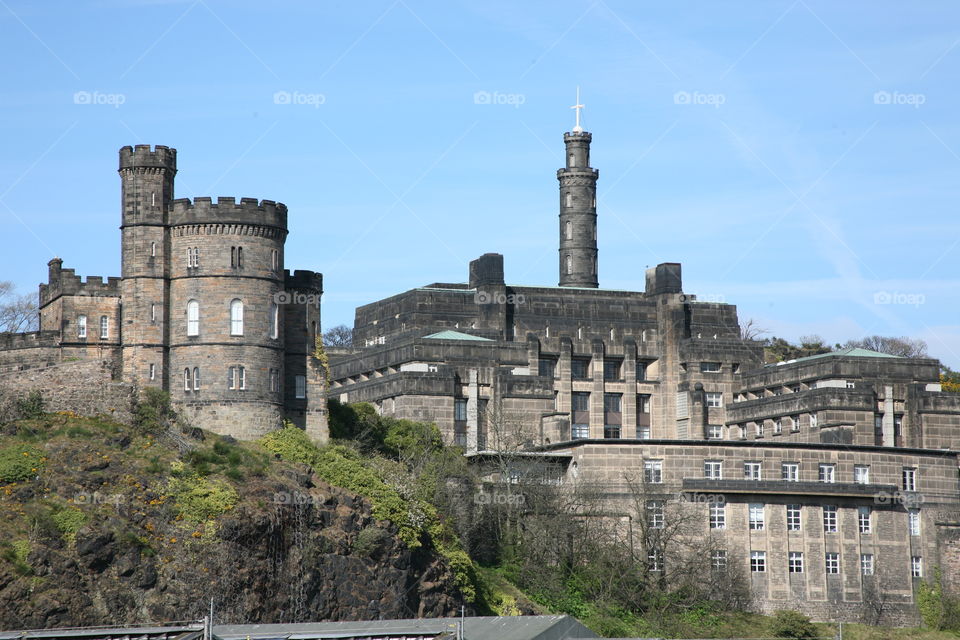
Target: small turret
[{"x": 578, "y": 210}]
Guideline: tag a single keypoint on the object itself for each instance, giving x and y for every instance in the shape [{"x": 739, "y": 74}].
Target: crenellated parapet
[
  {"x": 143, "y": 156},
  {"x": 65, "y": 282},
  {"x": 303, "y": 280},
  {"x": 32, "y": 340},
  {"x": 227, "y": 211}
]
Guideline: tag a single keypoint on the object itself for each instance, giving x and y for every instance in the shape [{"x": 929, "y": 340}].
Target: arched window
[
  {"x": 568, "y": 230},
  {"x": 568, "y": 199},
  {"x": 236, "y": 318},
  {"x": 81, "y": 326},
  {"x": 153, "y": 313},
  {"x": 193, "y": 318},
  {"x": 196, "y": 379},
  {"x": 274, "y": 320},
  {"x": 569, "y": 265},
  {"x": 275, "y": 259},
  {"x": 186, "y": 379},
  {"x": 153, "y": 249},
  {"x": 570, "y": 160}
]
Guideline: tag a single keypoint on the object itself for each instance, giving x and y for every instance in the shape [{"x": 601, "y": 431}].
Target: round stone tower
[
  {"x": 146, "y": 177},
  {"x": 227, "y": 337},
  {"x": 578, "y": 213}
]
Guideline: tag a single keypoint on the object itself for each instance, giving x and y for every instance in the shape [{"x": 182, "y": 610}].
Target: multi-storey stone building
[
  {"x": 831, "y": 480},
  {"x": 203, "y": 308}
]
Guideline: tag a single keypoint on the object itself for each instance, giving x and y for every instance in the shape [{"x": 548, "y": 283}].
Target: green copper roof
[
  {"x": 856, "y": 352},
  {"x": 455, "y": 335}
]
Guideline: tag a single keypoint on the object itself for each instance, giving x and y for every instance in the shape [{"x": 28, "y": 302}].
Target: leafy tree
[
  {"x": 903, "y": 346},
  {"x": 779, "y": 349},
  {"x": 338, "y": 336},
  {"x": 950, "y": 379},
  {"x": 17, "y": 312}
]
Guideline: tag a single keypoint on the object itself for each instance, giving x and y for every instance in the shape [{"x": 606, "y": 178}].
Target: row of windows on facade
[
  {"x": 237, "y": 380},
  {"x": 789, "y": 472},
  {"x": 104, "y": 327},
  {"x": 756, "y": 517},
  {"x": 580, "y": 368},
  {"x": 236, "y": 257},
  {"x": 612, "y": 415},
  {"x": 716, "y": 431},
  {"x": 795, "y": 562},
  {"x": 790, "y": 388}
]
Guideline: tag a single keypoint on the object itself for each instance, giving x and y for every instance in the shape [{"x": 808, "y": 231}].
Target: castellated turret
[
  {"x": 205, "y": 310},
  {"x": 578, "y": 213}
]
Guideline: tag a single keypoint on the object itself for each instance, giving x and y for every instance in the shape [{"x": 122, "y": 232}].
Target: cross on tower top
[{"x": 577, "y": 128}]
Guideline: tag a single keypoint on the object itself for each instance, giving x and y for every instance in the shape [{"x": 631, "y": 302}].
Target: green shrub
[
  {"x": 199, "y": 498},
  {"x": 16, "y": 553},
  {"x": 68, "y": 521},
  {"x": 792, "y": 624},
  {"x": 153, "y": 412},
  {"x": 292, "y": 444},
  {"x": 407, "y": 439},
  {"x": 20, "y": 462},
  {"x": 31, "y": 406},
  {"x": 930, "y": 602},
  {"x": 368, "y": 540}
]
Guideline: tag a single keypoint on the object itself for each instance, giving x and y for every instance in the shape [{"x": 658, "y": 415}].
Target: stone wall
[{"x": 87, "y": 388}]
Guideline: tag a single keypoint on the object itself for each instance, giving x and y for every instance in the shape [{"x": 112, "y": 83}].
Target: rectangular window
[
  {"x": 580, "y": 368},
  {"x": 760, "y": 428},
  {"x": 832, "y": 562},
  {"x": 758, "y": 561},
  {"x": 830, "y": 518},
  {"x": 301, "y": 387},
  {"x": 713, "y": 469},
  {"x": 81, "y": 326},
  {"x": 580, "y": 405},
  {"x": 153, "y": 313},
  {"x": 756, "y": 517},
  {"x": 580, "y": 431},
  {"x": 794, "y": 423},
  {"x": 913, "y": 521},
  {"x": 790, "y": 471},
  {"x": 104, "y": 327},
  {"x": 813, "y": 421},
  {"x": 777, "y": 427},
  {"x": 851, "y": 384},
  {"x": 861, "y": 474},
  {"x": 718, "y": 560},
  {"x": 643, "y": 415},
  {"x": 714, "y": 431},
  {"x": 714, "y": 399},
  {"x": 611, "y": 370},
  {"x": 275, "y": 380},
  {"x": 612, "y": 416},
  {"x": 709, "y": 367},
  {"x": 547, "y": 367},
  {"x": 828, "y": 473},
  {"x": 909, "y": 478},
  {"x": 275, "y": 259},
  {"x": 153, "y": 372},
  {"x": 718, "y": 515},
  {"x": 751, "y": 470},
  {"x": 653, "y": 471},
  {"x": 232, "y": 378},
  {"x": 581, "y": 401},
  {"x": 866, "y": 564},
  {"x": 795, "y": 562},
  {"x": 793, "y": 517},
  {"x": 655, "y": 561},
  {"x": 643, "y": 433},
  {"x": 916, "y": 567},
  {"x": 460, "y": 409},
  {"x": 241, "y": 378},
  {"x": 864, "y": 519},
  {"x": 641, "y": 371},
  {"x": 655, "y": 515}
]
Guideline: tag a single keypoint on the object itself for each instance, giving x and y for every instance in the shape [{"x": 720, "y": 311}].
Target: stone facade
[
  {"x": 605, "y": 381},
  {"x": 203, "y": 309}
]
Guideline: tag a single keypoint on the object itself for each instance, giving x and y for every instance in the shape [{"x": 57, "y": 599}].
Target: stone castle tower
[{"x": 203, "y": 309}]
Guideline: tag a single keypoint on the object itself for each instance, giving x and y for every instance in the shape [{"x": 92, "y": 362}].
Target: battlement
[
  {"x": 577, "y": 136},
  {"x": 302, "y": 280},
  {"x": 66, "y": 282},
  {"x": 143, "y": 156},
  {"x": 227, "y": 210},
  {"x": 32, "y": 340}
]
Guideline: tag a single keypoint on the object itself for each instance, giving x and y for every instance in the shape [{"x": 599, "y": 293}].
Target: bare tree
[
  {"x": 17, "y": 312},
  {"x": 338, "y": 336},
  {"x": 750, "y": 330},
  {"x": 903, "y": 346}
]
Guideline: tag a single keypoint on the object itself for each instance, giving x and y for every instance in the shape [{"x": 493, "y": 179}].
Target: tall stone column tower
[
  {"x": 147, "y": 188},
  {"x": 578, "y": 211}
]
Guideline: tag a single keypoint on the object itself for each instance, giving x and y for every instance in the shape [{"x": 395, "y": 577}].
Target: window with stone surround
[
  {"x": 865, "y": 519},
  {"x": 861, "y": 474},
  {"x": 793, "y": 517},
  {"x": 104, "y": 327},
  {"x": 758, "y": 561},
  {"x": 909, "y": 478},
  {"x": 81, "y": 326},
  {"x": 187, "y": 383},
  {"x": 830, "y": 518},
  {"x": 713, "y": 469},
  {"x": 236, "y": 378},
  {"x": 653, "y": 471},
  {"x": 913, "y": 521},
  {"x": 580, "y": 368},
  {"x": 460, "y": 409},
  {"x": 300, "y": 384},
  {"x": 752, "y": 470},
  {"x": 655, "y": 514},
  {"x": 795, "y": 562},
  {"x": 714, "y": 431},
  {"x": 193, "y": 318},
  {"x": 612, "y": 370},
  {"x": 756, "y": 516},
  {"x": 916, "y": 566},
  {"x": 790, "y": 471},
  {"x": 709, "y": 367},
  {"x": 832, "y": 562},
  {"x": 274, "y": 320},
  {"x": 866, "y": 564},
  {"x": 718, "y": 515},
  {"x": 236, "y": 317},
  {"x": 196, "y": 379},
  {"x": 827, "y": 473},
  {"x": 714, "y": 399},
  {"x": 718, "y": 560}
]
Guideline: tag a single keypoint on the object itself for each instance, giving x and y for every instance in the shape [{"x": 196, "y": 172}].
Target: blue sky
[{"x": 801, "y": 159}]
